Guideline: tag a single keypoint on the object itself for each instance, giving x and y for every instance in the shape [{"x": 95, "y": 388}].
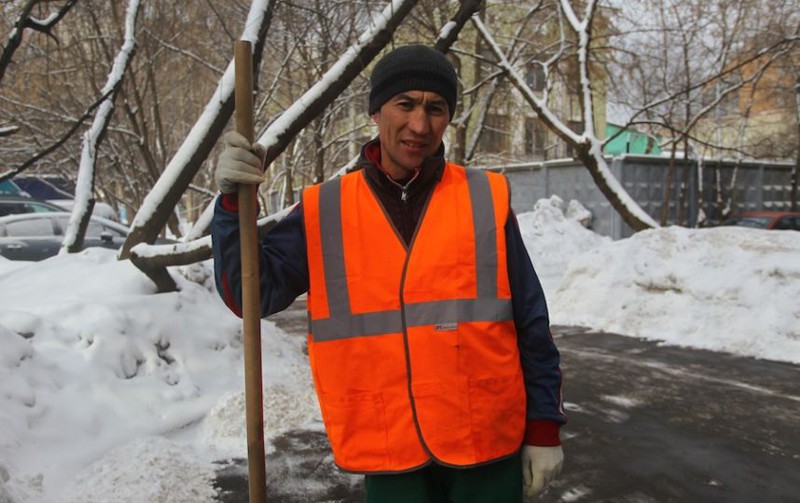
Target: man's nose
[{"x": 419, "y": 122}]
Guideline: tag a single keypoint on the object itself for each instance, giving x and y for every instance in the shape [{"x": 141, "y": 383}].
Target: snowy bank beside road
[
  {"x": 109, "y": 392},
  {"x": 723, "y": 289},
  {"x": 554, "y": 233}
]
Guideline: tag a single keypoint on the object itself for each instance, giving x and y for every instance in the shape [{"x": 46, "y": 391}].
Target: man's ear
[{"x": 374, "y": 117}]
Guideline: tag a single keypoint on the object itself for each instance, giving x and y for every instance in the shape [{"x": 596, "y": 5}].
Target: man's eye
[{"x": 405, "y": 105}]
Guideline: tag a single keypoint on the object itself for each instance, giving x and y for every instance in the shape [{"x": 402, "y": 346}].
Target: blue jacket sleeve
[
  {"x": 282, "y": 262},
  {"x": 538, "y": 353}
]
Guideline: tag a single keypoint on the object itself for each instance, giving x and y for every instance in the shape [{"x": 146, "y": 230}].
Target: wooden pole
[{"x": 251, "y": 303}]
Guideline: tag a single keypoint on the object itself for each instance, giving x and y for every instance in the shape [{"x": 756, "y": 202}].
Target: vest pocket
[
  {"x": 356, "y": 426},
  {"x": 497, "y": 409}
]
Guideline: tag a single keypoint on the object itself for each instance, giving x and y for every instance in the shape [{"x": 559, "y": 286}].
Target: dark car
[
  {"x": 9, "y": 188},
  {"x": 17, "y": 205},
  {"x": 778, "y": 220},
  {"x": 37, "y": 236}
]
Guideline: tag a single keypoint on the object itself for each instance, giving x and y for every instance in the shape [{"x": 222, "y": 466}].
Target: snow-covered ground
[{"x": 111, "y": 393}]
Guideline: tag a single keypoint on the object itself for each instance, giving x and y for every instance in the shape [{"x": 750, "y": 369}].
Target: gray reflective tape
[
  {"x": 458, "y": 311},
  {"x": 357, "y": 325},
  {"x": 441, "y": 312},
  {"x": 483, "y": 220},
  {"x": 330, "y": 222}
]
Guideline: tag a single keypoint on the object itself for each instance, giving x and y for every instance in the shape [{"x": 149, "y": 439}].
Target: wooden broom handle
[{"x": 251, "y": 302}]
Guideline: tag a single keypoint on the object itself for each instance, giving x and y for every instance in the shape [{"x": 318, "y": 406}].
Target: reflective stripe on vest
[{"x": 342, "y": 323}]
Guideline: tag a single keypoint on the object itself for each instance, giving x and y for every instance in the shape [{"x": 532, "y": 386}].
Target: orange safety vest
[{"x": 413, "y": 349}]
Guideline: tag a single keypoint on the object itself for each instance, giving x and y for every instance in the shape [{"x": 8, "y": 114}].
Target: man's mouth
[{"x": 414, "y": 144}]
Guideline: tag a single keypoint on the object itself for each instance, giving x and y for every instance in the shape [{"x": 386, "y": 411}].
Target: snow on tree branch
[
  {"x": 25, "y": 21},
  {"x": 275, "y": 138},
  {"x": 450, "y": 31},
  {"x": 336, "y": 79},
  {"x": 84, "y": 189},
  {"x": 152, "y": 259},
  {"x": 160, "y": 201},
  {"x": 538, "y": 104},
  {"x": 8, "y": 130},
  {"x": 587, "y": 146}
]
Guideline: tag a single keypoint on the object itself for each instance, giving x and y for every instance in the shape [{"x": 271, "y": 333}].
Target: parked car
[
  {"x": 778, "y": 220},
  {"x": 60, "y": 191},
  {"x": 9, "y": 188},
  {"x": 100, "y": 209},
  {"x": 37, "y": 236},
  {"x": 16, "y": 205}
]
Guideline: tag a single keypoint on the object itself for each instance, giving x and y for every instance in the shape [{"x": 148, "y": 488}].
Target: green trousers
[{"x": 499, "y": 482}]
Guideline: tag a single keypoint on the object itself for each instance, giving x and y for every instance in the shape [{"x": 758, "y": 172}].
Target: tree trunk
[
  {"x": 604, "y": 183},
  {"x": 668, "y": 187},
  {"x": 84, "y": 190}
]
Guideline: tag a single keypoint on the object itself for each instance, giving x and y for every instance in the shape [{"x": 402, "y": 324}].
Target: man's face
[{"x": 411, "y": 126}]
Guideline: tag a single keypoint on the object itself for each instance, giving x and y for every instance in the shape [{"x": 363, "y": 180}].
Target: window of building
[
  {"x": 535, "y": 78},
  {"x": 534, "y": 137},
  {"x": 494, "y": 137}
]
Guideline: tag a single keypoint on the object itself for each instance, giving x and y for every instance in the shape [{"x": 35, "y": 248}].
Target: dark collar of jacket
[
  {"x": 404, "y": 213},
  {"x": 370, "y": 160}
]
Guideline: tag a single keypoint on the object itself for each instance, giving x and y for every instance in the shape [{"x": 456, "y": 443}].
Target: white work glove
[
  {"x": 540, "y": 465},
  {"x": 239, "y": 162}
]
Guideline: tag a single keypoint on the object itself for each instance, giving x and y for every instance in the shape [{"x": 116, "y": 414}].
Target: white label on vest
[{"x": 446, "y": 327}]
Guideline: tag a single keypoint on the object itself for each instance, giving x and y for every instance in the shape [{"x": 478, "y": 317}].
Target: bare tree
[
  {"x": 693, "y": 71},
  {"x": 26, "y": 20},
  {"x": 275, "y": 139},
  {"x": 173, "y": 182},
  {"x": 84, "y": 193},
  {"x": 284, "y": 129},
  {"x": 549, "y": 63},
  {"x": 586, "y": 143}
]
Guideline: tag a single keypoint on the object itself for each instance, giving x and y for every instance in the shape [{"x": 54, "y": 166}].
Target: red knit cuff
[
  {"x": 542, "y": 432},
  {"x": 230, "y": 202}
]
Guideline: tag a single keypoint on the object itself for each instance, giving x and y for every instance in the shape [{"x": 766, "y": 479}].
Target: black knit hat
[{"x": 413, "y": 68}]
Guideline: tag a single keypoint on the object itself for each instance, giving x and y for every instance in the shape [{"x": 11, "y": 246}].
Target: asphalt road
[{"x": 648, "y": 423}]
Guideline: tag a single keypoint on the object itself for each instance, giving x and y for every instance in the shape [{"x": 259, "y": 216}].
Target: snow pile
[
  {"x": 554, "y": 235},
  {"x": 725, "y": 289},
  {"x": 145, "y": 470},
  {"x": 91, "y": 359},
  {"x": 289, "y": 399}
]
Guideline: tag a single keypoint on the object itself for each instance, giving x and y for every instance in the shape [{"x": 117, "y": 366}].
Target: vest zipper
[{"x": 404, "y": 188}]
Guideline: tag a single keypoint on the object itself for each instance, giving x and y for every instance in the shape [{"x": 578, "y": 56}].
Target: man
[{"x": 429, "y": 340}]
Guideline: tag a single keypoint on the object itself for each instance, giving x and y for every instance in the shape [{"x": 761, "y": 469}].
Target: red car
[{"x": 779, "y": 220}]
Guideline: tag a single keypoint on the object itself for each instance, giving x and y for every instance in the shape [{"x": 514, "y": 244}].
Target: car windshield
[{"x": 753, "y": 222}]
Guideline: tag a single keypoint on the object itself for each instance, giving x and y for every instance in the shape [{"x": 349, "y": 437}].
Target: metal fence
[{"x": 757, "y": 186}]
